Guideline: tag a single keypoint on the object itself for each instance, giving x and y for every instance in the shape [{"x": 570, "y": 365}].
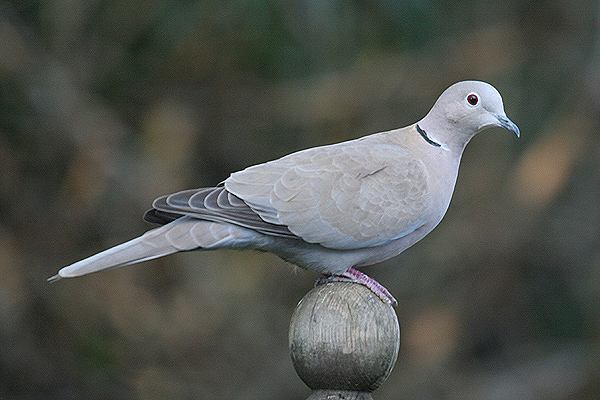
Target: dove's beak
[{"x": 508, "y": 124}]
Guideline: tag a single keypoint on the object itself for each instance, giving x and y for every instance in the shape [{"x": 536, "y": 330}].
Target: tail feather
[
  {"x": 183, "y": 234},
  {"x": 159, "y": 242},
  {"x": 130, "y": 252}
]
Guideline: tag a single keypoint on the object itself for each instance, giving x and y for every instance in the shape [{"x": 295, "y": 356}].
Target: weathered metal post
[{"x": 344, "y": 341}]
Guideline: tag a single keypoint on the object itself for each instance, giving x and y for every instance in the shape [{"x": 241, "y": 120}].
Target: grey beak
[{"x": 508, "y": 124}]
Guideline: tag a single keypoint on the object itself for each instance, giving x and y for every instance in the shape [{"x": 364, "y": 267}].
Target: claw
[{"x": 353, "y": 275}]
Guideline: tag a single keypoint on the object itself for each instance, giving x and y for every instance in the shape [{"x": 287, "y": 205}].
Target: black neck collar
[{"x": 427, "y": 139}]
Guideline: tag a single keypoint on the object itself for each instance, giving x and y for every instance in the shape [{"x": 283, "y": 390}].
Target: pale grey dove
[{"x": 327, "y": 209}]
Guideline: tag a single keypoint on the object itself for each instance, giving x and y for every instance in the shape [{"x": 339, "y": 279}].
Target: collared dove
[{"x": 327, "y": 209}]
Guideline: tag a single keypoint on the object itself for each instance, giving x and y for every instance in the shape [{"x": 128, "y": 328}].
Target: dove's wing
[
  {"x": 212, "y": 204},
  {"x": 351, "y": 195}
]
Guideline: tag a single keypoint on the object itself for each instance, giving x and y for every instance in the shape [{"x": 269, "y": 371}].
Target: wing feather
[
  {"x": 213, "y": 204},
  {"x": 346, "y": 196},
  {"x": 351, "y": 195}
]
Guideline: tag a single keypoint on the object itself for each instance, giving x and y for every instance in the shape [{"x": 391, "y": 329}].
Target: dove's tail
[
  {"x": 180, "y": 235},
  {"x": 130, "y": 252},
  {"x": 146, "y": 247}
]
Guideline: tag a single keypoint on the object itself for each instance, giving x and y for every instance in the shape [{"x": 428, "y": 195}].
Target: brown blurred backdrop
[{"x": 105, "y": 105}]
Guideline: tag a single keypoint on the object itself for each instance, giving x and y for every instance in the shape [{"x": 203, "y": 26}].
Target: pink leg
[{"x": 353, "y": 275}]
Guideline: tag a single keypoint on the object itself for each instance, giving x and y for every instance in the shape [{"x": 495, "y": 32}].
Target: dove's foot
[{"x": 353, "y": 275}]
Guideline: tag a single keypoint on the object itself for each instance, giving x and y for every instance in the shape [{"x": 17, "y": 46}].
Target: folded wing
[{"x": 347, "y": 196}]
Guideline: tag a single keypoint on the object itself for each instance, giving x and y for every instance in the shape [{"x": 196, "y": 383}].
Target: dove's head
[{"x": 463, "y": 110}]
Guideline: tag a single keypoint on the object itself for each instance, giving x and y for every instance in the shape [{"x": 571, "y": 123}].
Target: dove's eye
[{"x": 472, "y": 99}]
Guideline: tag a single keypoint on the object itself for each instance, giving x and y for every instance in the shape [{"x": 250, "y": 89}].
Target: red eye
[{"x": 473, "y": 99}]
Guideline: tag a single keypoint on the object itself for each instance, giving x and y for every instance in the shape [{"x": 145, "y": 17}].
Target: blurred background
[{"x": 105, "y": 105}]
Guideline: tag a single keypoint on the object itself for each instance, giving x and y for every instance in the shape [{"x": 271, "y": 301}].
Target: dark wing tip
[{"x": 160, "y": 217}]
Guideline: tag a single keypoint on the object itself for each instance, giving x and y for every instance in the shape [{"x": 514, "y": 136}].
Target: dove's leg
[{"x": 353, "y": 275}]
